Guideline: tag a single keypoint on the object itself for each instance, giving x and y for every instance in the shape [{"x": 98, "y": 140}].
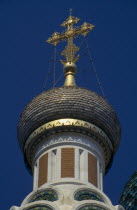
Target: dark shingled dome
[
  {"x": 129, "y": 195},
  {"x": 69, "y": 102}
]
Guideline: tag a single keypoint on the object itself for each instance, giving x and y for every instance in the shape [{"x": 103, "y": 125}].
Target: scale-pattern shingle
[
  {"x": 69, "y": 102},
  {"x": 129, "y": 195}
]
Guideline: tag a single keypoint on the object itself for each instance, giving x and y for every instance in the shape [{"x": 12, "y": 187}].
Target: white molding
[
  {"x": 46, "y": 203},
  {"x": 98, "y": 176},
  {"x": 49, "y": 175},
  {"x": 58, "y": 172},
  {"x": 35, "y": 176},
  {"x": 77, "y": 163}
]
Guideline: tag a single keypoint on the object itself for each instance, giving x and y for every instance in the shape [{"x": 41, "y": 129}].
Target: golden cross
[{"x": 70, "y": 33}]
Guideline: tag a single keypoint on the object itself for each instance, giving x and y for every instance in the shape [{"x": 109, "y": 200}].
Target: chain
[
  {"x": 58, "y": 79},
  {"x": 49, "y": 71},
  {"x": 94, "y": 69}
]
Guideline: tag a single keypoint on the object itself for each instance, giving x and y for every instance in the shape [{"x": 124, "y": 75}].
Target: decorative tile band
[
  {"x": 48, "y": 195},
  {"x": 68, "y": 122},
  {"x": 87, "y": 194}
]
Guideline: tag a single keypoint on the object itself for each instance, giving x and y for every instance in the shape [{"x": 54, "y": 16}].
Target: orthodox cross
[{"x": 68, "y": 35}]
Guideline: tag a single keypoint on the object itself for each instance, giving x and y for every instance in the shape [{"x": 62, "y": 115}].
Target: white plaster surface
[
  {"x": 81, "y": 158},
  {"x": 66, "y": 192},
  {"x": 72, "y": 138}
]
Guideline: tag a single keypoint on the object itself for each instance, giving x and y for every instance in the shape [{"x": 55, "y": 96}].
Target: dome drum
[{"x": 67, "y": 125}]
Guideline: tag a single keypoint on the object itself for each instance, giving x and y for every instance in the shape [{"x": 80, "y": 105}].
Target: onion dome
[
  {"x": 129, "y": 195},
  {"x": 69, "y": 108},
  {"x": 70, "y": 102}
]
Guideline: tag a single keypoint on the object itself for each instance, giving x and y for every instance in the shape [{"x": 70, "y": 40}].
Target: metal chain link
[{"x": 94, "y": 69}]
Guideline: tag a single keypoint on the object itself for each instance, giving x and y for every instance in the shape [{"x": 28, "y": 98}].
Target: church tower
[{"x": 68, "y": 136}]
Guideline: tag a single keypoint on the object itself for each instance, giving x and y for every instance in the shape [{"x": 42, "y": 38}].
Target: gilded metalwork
[
  {"x": 70, "y": 33},
  {"x": 70, "y": 70},
  {"x": 70, "y": 80},
  {"x": 68, "y": 122}
]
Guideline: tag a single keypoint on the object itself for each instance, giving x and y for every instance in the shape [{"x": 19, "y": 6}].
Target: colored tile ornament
[
  {"x": 87, "y": 195},
  {"x": 90, "y": 207},
  {"x": 129, "y": 195},
  {"x": 48, "y": 195},
  {"x": 39, "y": 208}
]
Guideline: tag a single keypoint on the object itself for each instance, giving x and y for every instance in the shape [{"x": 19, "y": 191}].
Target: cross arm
[
  {"x": 84, "y": 29},
  {"x": 56, "y": 38}
]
